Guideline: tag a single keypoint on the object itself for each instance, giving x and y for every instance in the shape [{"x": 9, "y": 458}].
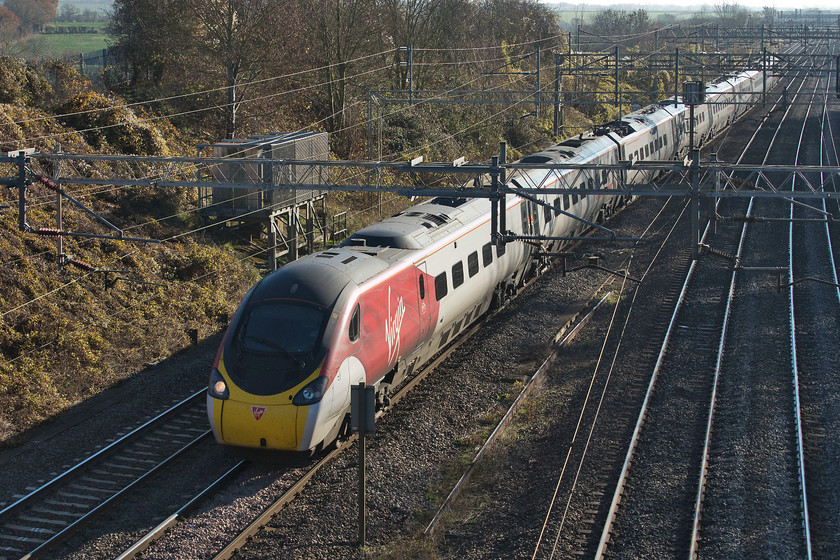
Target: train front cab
[{"x": 269, "y": 386}]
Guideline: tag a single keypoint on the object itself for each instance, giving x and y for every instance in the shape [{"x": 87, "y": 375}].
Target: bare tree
[
  {"x": 236, "y": 40},
  {"x": 731, "y": 14},
  {"x": 768, "y": 15},
  {"x": 432, "y": 24},
  {"x": 627, "y": 28},
  {"x": 195, "y": 45},
  {"x": 344, "y": 30}
]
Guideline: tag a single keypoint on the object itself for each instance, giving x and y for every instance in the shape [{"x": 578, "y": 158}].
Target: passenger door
[{"x": 423, "y": 300}]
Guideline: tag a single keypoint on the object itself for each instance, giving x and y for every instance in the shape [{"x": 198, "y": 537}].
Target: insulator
[
  {"x": 49, "y": 183},
  {"x": 80, "y": 264},
  {"x": 47, "y": 232}
]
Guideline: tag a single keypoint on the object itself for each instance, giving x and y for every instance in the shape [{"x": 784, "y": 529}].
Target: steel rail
[
  {"x": 430, "y": 528},
  {"x": 611, "y": 516},
  {"x": 800, "y": 450},
  {"x": 54, "y": 541},
  {"x": 701, "y": 487},
  {"x": 121, "y": 441},
  {"x": 146, "y": 540}
]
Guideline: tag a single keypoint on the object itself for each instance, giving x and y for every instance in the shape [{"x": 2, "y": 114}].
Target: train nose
[{"x": 249, "y": 425}]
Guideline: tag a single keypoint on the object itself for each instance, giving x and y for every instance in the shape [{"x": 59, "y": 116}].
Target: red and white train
[{"x": 383, "y": 303}]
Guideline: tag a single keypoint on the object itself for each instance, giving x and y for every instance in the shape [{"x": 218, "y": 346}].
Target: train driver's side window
[
  {"x": 355, "y": 325},
  {"x": 422, "y": 287}
]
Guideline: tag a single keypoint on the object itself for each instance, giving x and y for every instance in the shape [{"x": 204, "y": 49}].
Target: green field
[{"x": 57, "y": 45}]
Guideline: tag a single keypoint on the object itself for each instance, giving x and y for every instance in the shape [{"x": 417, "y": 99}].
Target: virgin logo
[
  {"x": 257, "y": 411},
  {"x": 393, "y": 325}
]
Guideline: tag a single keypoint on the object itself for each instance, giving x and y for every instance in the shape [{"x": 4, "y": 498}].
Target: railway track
[
  {"x": 40, "y": 521},
  {"x": 659, "y": 480},
  {"x": 674, "y": 424},
  {"x": 758, "y": 455},
  {"x": 815, "y": 306}
]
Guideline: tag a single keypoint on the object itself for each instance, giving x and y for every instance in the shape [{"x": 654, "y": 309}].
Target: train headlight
[
  {"x": 312, "y": 393},
  {"x": 217, "y": 388}
]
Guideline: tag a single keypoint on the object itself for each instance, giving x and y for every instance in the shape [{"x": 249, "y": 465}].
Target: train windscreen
[{"x": 275, "y": 346}]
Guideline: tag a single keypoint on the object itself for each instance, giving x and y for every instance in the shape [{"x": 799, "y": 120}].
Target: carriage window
[
  {"x": 500, "y": 250},
  {"x": 557, "y": 203},
  {"x": 440, "y": 286},
  {"x": 487, "y": 254},
  {"x": 590, "y": 184},
  {"x": 457, "y": 274},
  {"x": 355, "y": 323},
  {"x": 582, "y": 195},
  {"x": 472, "y": 264},
  {"x": 566, "y": 202},
  {"x": 546, "y": 214}
]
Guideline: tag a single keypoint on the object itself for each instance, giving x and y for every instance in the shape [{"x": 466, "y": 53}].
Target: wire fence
[{"x": 105, "y": 67}]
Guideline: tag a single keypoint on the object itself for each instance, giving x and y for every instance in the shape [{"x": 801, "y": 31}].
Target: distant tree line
[
  {"x": 230, "y": 53},
  {"x": 26, "y": 16},
  {"x": 70, "y": 13},
  {"x": 635, "y": 28}
]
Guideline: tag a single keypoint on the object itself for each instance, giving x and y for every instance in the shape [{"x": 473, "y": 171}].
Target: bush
[{"x": 106, "y": 125}]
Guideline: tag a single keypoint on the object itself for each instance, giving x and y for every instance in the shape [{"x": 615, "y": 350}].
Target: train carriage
[{"x": 382, "y": 304}]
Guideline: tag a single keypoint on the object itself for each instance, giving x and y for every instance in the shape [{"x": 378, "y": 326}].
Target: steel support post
[
  {"x": 676, "y": 76},
  {"x": 764, "y": 77},
  {"x": 292, "y": 234},
  {"x": 695, "y": 204},
  {"x": 762, "y": 37},
  {"x": 494, "y": 201},
  {"x": 617, "y": 93},
  {"x": 272, "y": 243},
  {"x": 837, "y": 73},
  {"x": 21, "y": 163},
  {"x": 558, "y": 78},
  {"x": 538, "y": 87},
  {"x": 362, "y": 514},
  {"x": 410, "y": 75},
  {"x": 711, "y": 201},
  {"x": 59, "y": 218},
  {"x": 502, "y": 180}
]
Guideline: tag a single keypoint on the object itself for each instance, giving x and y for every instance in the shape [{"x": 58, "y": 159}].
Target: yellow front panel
[{"x": 246, "y": 424}]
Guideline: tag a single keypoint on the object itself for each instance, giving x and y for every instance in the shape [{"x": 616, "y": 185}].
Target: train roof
[
  {"x": 418, "y": 226},
  {"x": 319, "y": 277}
]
